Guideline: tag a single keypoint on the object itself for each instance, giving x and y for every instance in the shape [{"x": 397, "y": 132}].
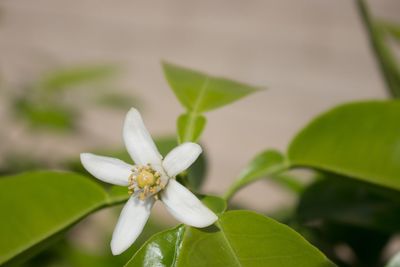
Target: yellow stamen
[{"x": 145, "y": 178}]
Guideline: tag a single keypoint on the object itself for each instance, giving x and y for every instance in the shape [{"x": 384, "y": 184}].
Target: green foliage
[
  {"x": 190, "y": 126},
  {"x": 359, "y": 140},
  {"x": 39, "y": 205},
  {"x": 338, "y": 211},
  {"x": 44, "y": 104},
  {"x": 67, "y": 78},
  {"x": 385, "y": 57},
  {"x": 265, "y": 164},
  {"x": 216, "y": 204},
  {"x": 117, "y": 101},
  {"x": 239, "y": 238},
  {"x": 199, "y": 92},
  {"x": 67, "y": 253},
  {"x": 391, "y": 28},
  {"x": 350, "y": 202},
  {"x": 45, "y": 114}
]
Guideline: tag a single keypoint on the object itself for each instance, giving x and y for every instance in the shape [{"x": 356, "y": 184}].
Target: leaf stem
[
  {"x": 239, "y": 184},
  {"x": 189, "y": 127},
  {"x": 385, "y": 58}
]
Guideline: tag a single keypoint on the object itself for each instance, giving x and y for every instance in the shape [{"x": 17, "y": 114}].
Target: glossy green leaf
[
  {"x": 360, "y": 140},
  {"x": 265, "y": 164},
  {"x": 36, "y": 206},
  {"x": 239, "y": 238},
  {"x": 71, "y": 77},
  {"x": 385, "y": 57},
  {"x": 199, "y": 92},
  {"x": 69, "y": 252},
  {"x": 190, "y": 126}
]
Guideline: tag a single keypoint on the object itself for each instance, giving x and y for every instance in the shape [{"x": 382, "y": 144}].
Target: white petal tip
[
  {"x": 195, "y": 148},
  {"x": 181, "y": 158},
  {"x": 116, "y": 250},
  {"x": 185, "y": 206},
  {"x": 138, "y": 141},
  {"x": 85, "y": 159},
  {"x": 206, "y": 221},
  {"x": 130, "y": 224},
  {"x": 84, "y": 155},
  {"x": 132, "y": 109},
  {"x": 106, "y": 169}
]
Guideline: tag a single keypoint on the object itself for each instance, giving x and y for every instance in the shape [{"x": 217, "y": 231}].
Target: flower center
[
  {"x": 145, "y": 178},
  {"x": 145, "y": 181}
]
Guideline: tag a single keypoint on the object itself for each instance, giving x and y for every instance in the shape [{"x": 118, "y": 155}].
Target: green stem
[
  {"x": 189, "y": 129},
  {"x": 385, "y": 58},
  {"x": 239, "y": 183}
]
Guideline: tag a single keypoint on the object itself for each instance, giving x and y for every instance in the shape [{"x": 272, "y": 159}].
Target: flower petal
[
  {"x": 138, "y": 141},
  {"x": 130, "y": 224},
  {"x": 185, "y": 206},
  {"x": 109, "y": 170},
  {"x": 180, "y": 158}
]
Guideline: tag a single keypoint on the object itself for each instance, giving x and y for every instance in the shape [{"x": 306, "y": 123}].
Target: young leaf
[
  {"x": 239, "y": 238},
  {"x": 37, "y": 206},
  {"x": 199, "y": 92},
  {"x": 267, "y": 163},
  {"x": 359, "y": 140},
  {"x": 190, "y": 127}
]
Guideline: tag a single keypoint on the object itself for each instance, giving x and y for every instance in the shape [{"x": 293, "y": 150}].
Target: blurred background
[{"x": 69, "y": 70}]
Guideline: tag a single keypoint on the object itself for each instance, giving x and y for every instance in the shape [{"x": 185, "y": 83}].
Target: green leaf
[
  {"x": 359, "y": 140},
  {"x": 386, "y": 59},
  {"x": 70, "y": 77},
  {"x": 265, "y": 164},
  {"x": 216, "y": 204},
  {"x": 391, "y": 28},
  {"x": 190, "y": 127},
  {"x": 200, "y": 92},
  {"x": 117, "y": 101},
  {"x": 340, "y": 200},
  {"x": 239, "y": 238},
  {"x": 45, "y": 115},
  {"x": 36, "y": 206},
  {"x": 290, "y": 182}
]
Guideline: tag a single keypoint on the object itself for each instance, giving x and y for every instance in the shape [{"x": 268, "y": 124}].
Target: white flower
[{"x": 151, "y": 178}]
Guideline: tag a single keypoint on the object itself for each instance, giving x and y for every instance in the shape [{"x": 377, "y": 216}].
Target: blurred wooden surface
[{"x": 311, "y": 54}]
